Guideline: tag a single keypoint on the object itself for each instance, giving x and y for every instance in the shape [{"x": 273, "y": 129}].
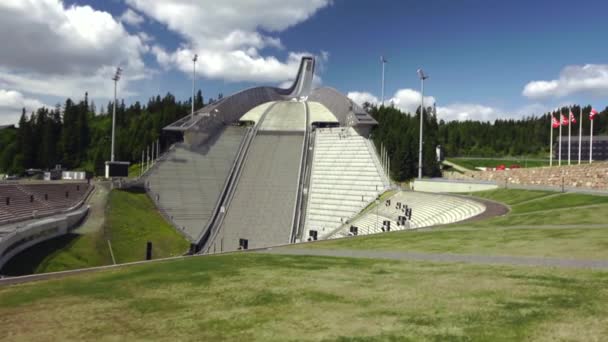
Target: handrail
[
  {"x": 295, "y": 224},
  {"x": 376, "y": 157},
  {"x": 309, "y": 174},
  {"x": 234, "y": 176},
  {"x": 225, "y": 186}
]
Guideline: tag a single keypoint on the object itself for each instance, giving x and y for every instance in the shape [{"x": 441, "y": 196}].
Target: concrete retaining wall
[
  {"x": 589, "y": 176},
  {"x": 39, "y": 231},
  {"x": 446, "y": 185}
]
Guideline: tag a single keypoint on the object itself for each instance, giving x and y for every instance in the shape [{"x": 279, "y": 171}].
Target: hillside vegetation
[
  {"x": 131, "y": 220},
  {"x": 273, "y": 297}
]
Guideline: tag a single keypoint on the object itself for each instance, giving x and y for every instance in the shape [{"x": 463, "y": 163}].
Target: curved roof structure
[{"x": 242, "y": 105}]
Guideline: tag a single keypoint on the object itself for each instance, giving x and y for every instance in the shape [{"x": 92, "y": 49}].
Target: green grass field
[
  {"x": 258, "y": 297},
  {"x": 130, "y": 221},
  {"x": 471, "y": 164},
  {"x": 262, "y": 297}
]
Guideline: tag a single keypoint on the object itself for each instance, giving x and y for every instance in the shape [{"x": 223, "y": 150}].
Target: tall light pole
[
  {"x": 193, "y": 77},
  {"x": 422, "y": 78},
  {"x": 115, "y": 79},
  {"x": 383, "y": 61}
]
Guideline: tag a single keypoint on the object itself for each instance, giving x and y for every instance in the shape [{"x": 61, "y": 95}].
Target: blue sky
[{"x": 486, "y": 59}]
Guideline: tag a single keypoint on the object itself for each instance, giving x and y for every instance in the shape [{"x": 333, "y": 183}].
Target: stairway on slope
[{"x": 188, "y": 183}]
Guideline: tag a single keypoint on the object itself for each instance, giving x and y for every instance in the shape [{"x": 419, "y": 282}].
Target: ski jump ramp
[{"x": 242, "y": 176}]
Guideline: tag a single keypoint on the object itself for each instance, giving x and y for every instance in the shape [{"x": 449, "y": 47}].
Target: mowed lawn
[
  {"x": 131, "y": 220},
  {"x": 543, "y": 224},
  {"x": 257, "y": 297}
]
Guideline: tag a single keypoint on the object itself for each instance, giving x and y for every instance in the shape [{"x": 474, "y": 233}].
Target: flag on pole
[
  {"x": 572, "y": 118},
  {"x": 554, "y": 122},
  {"x": 592, "y": 114},
  {"x": 564, "y": 120}
]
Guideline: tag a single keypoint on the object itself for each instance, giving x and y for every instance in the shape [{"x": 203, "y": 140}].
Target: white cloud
[
  {"x": 589, "y": 78},
  {"x": 132, "y": 18},
  {"x": 11, "y": 104},
  {"x": 229, "y": 43},
  {"x": 467, "y": 111},
  {"x": 362, "y": 97},
  {"x": 237, "y": 65},
  {"x": 407, "y": 100},
  {"x": 65, "y": 51}
]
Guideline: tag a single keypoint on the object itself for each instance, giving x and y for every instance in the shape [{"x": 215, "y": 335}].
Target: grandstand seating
[
  {"x": 26, "y": 201},
  {"x": 427, "y": 210},
  {"x": 188, "y": 183},
  {"x": 346, "y": 177}
]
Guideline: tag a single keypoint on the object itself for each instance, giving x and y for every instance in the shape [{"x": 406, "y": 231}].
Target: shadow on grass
[{"x": 28, "y": 261}]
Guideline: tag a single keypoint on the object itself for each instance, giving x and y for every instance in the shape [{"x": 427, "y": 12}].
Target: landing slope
[{"x": 263, "y": 206}]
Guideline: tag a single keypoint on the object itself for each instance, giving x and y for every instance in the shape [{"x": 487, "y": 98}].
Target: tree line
[
  {"x": 78, "y": 137},
  {"x": 529, "y": 136}
]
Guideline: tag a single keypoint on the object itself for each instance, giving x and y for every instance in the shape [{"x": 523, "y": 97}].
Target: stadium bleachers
[
  {"x": 187, "y": 184},
  {"x": 346, "y": 177},
  {"x": 427, "y": 210},
  {"x": 26, "y": 201}
]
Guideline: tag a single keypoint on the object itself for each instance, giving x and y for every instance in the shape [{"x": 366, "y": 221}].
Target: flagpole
[
  {"x": 569, "y": 134},
  {"x": 551, "y": 142},
  {"x": 559, "y": 151},
  {"x": 383, "y": 62},
  {"x": 591, "y": 144},
  {"x": 580, "y": 134}
]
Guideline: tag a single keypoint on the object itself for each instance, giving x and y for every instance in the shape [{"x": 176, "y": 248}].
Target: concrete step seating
[
  {"x": 26, "y": 201},
  {"x": 345, "y": 178},
  {"x": 187, "y": 183},
  {"x": 427, "y": 210}
]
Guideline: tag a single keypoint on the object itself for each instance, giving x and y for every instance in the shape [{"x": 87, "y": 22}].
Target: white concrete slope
[
  {"x": 427, "y": 210},
  {"x": 345, "y": 178}
]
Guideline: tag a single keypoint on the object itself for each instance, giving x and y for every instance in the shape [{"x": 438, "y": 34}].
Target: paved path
[
  {"x": 97, "y": 206},
  {"x": 465, "y": 258},
  {"x": 456, "y": 166},
  {"x": 448, "y": 228}
]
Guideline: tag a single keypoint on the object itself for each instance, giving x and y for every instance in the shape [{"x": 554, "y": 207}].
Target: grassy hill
[
  {"x": 263, "y": 297},
  {"x": 130, "y": 221}
]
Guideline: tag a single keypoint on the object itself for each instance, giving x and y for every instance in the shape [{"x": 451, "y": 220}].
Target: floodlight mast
[
  {"x": 383, "y": 61},
  {"x": 422, "y": 77},
  {"x": 115, "y": 78},
  {"x": 194, "y": 59}
]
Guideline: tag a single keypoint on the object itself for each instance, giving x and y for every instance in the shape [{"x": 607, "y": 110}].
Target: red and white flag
[
  {"x": 554, "y": 122},
  {"x": 592, "y": 114},
  {"x": 564, "y": 120},
  {"x": 572, "y": 118}
]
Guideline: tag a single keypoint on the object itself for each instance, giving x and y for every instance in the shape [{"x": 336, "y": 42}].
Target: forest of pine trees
[
  {"x": 77, "y": 136},
  {"x": 528, "y": 136}
]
